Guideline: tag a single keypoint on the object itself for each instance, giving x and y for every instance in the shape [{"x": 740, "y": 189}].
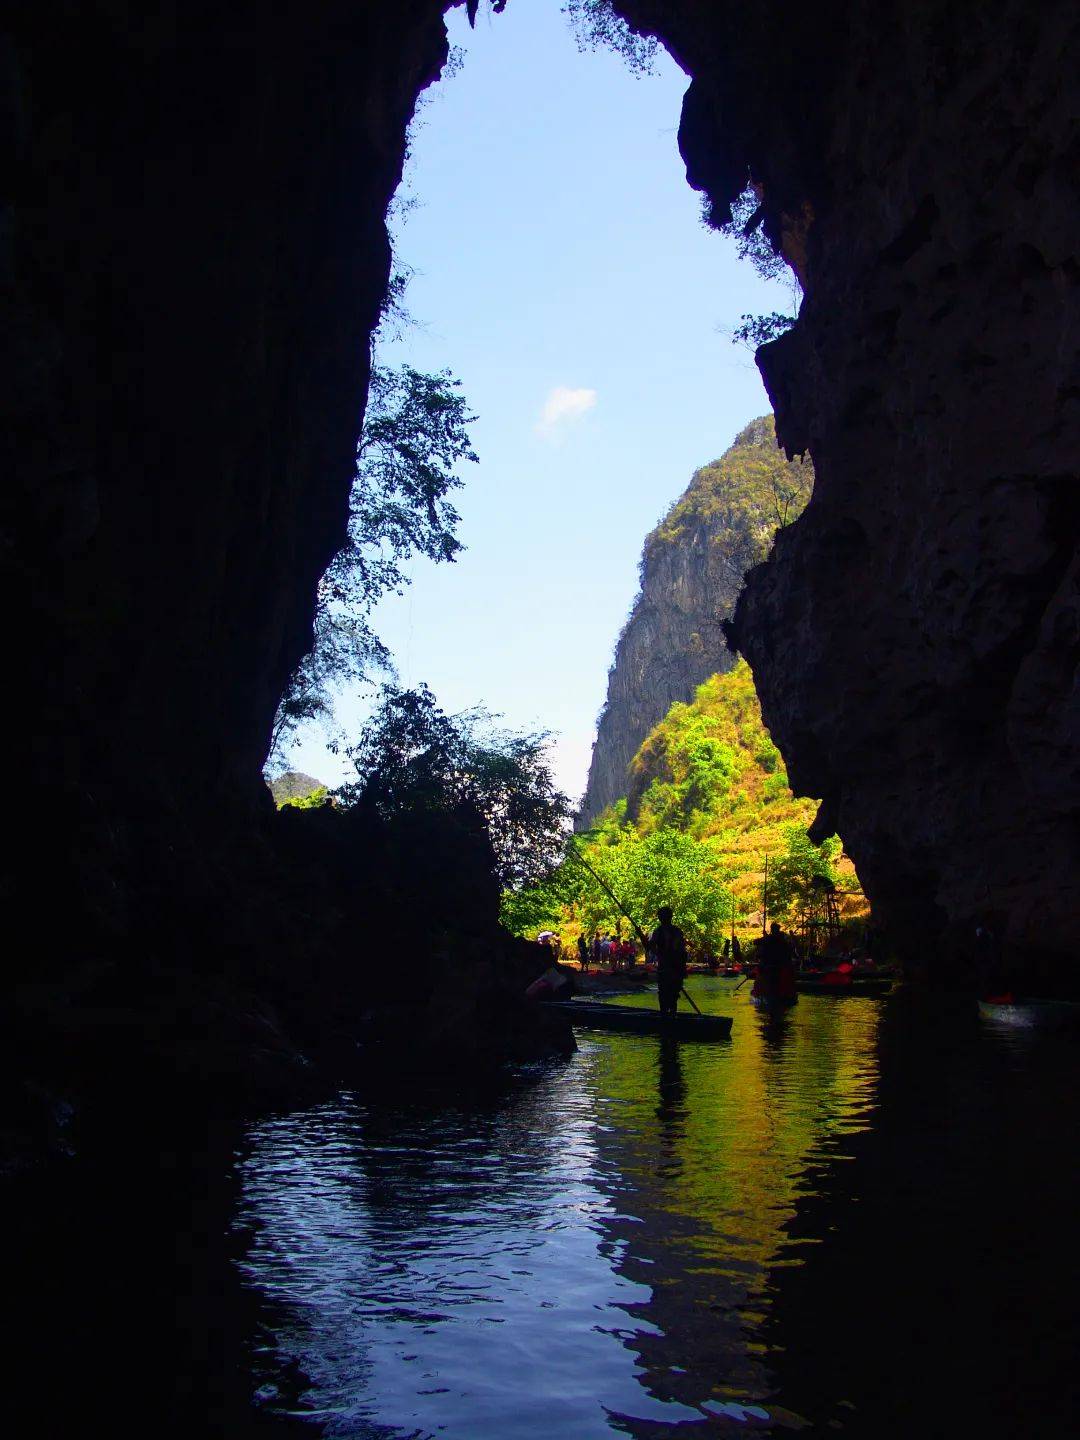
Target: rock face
[
  {"x": 692, "y": 568},
  {"x": 915, "y": 636},
  {"x": 194, "y": 258}
]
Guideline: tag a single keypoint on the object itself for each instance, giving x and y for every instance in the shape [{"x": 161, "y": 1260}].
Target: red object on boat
[{"x": 782, "y": 989}]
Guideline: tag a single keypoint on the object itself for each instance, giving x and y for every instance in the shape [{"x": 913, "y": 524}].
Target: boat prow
[{"x": 594, "y": 1015}]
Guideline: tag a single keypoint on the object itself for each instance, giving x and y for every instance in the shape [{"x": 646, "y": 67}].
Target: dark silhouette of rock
[
  {"x": 915, "y": 635},
  {"x": 194, "y": 257}
]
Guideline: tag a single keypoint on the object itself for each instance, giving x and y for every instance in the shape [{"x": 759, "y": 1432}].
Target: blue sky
[{"x": 562, "y": 273}]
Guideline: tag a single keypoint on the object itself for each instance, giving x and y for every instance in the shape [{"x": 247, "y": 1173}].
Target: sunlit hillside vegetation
[
  {"x": 751, "y": 489},
  {"x": 711, "y": 770},
  {"x": 296, "y": 788},
  {"x": 692, "y": 568},
  {"x": 709, "y": 803}
]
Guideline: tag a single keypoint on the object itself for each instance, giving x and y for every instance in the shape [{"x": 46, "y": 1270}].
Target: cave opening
[
  {"x": 563, "y": 312},
  {"x": 549, "y": 253},
  {"x": 194, "y": 257}
]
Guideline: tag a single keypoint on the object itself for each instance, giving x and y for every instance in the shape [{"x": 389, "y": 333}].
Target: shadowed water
[{"x": 600, "y": 1248}]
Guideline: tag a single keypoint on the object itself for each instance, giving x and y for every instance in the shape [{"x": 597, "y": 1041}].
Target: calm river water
[{"x": 656, "y": 1238}]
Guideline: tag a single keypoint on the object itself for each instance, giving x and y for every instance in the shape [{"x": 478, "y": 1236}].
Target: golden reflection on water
[
  {"x": 735, "y": 1129},
  {"x": 721, "y": 1142}
]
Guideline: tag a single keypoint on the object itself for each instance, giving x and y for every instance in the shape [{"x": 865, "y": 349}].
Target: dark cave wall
[
  {"x": 195, "y": 258},
  {"x": 915, "y": 635},
  {"x": 192, "y": 259}
]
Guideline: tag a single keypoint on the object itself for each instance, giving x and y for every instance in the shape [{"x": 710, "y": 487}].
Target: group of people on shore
[
  {"x": 615, "y": 953},
  {"x": 607, "y": 950},
  {"x": 602, "y": 950}
]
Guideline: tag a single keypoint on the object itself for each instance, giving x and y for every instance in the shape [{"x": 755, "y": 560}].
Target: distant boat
[
  {"x": 834, "y": 982},
  {"x": 685, "y": 1025},
  {"x": 844, "y": 977},
  {"x": 1032, "y": 1014}
]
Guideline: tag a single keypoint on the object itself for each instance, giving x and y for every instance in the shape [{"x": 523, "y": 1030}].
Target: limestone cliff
[
  {"x": 692, "y": 568},
  {"x": 915, "y": 637}
]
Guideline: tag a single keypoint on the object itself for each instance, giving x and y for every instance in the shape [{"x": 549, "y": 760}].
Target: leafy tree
[
  {"x": 415, "y": 435},
  {"x": 709, "y": 801},
  {"x": 669, "y": 867},
  {"x": 751, "y": 242},
  {"x": 614, "y": 879},
  {"x": 758, "y": 330},
  {"x": 529, "y": 909},
  {"x": 413, "y": 756},
  {"x": 314, "y": 801},
  {"x": 793, "y": 876},
  {"x": 595, "y": 24},
  {"x": 746, "y": 229}
]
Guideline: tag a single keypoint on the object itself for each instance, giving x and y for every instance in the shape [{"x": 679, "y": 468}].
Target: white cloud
[{"x": 563, "y": 407}]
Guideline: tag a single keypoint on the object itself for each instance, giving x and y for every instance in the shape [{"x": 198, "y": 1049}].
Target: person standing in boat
[
  {"x": 776, "y": 969},
  {"x": 583, "y": 953},
  {"x": 667, "y": 945}
]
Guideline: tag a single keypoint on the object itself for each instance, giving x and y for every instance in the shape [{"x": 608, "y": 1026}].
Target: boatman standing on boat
[
  {"x": 776, "y": 968},
  {"x": 667, "y": 945}
]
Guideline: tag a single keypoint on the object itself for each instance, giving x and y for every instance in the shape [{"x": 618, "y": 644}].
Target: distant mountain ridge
[
  {"x": 293, "y": 785},
  {"x": 692, "y": 570}
]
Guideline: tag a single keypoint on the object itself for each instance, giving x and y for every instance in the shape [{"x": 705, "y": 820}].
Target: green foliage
[
  {"x": 414, "y": 757},
  {"x": 595, "y": 24},
  {"x": 709, "y": 801},
  {"x": 752, "y": 488},
  {"x": 792, "y": 877},
  {"x": 751, "y": 242},
  {"x": 744, "y": 226},
  {"x": 615, "y": 879},
  {"x": 758, "y": 330},
  {"x": 317, "y": 798},
  {"x": 415, "y": 435},
  {"x": 292, "y": 785}
]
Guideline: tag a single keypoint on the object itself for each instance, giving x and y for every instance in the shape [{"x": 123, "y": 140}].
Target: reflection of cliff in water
[
  {"x": 591, "y": 1251},
  {"x": 718, "y": 1145}
]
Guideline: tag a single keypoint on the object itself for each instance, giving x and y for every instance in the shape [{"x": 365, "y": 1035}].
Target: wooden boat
[
  {"x": 773, "y": 1004},
  {"x": 1032, "y": 1014},
  {"x": 609, "y": 982},
  {"x": 838, "y": 982},
  {"x": 685, "y": 1025}
]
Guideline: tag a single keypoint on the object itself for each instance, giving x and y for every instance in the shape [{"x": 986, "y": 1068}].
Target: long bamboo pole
[
  {"x": 571, "y": 850},
  {"x": 765, "y": 898}
]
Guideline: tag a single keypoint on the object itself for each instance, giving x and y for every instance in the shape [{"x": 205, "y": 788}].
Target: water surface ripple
[{"x": 595, "y": 1250}]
